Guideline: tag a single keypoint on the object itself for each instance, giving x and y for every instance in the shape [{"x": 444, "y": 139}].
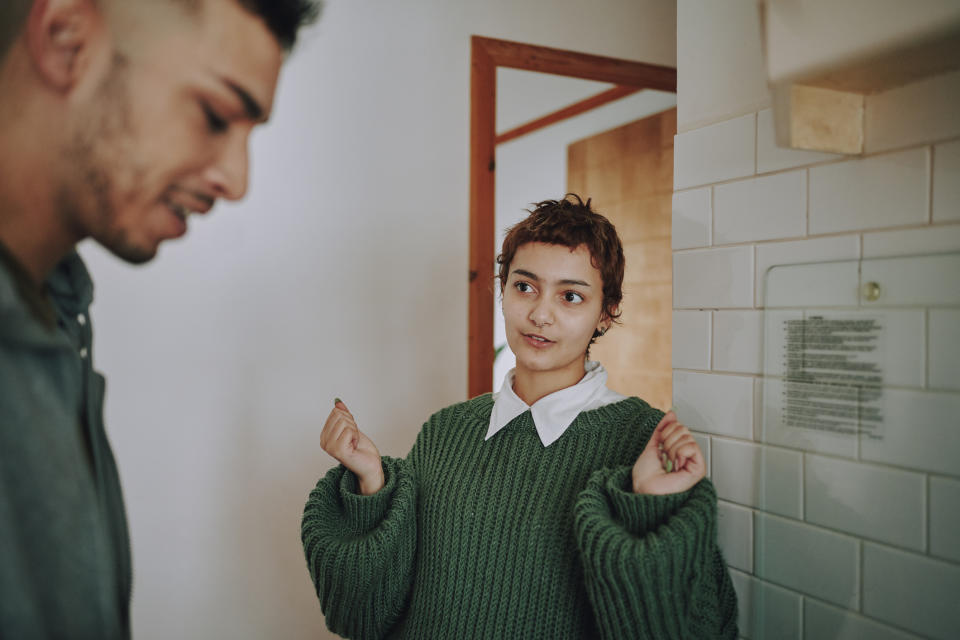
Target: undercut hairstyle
[
  {"x": 284, "y": 17},
  {"x": 570, "y": 223}
]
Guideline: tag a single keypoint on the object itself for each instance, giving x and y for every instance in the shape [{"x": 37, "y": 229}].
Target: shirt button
[
  {"x": 83, "y": 352},
  {"x": 81, "y": 319}
]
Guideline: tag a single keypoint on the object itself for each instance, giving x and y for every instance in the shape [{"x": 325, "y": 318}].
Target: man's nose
[{"x": 227, "y": 176}]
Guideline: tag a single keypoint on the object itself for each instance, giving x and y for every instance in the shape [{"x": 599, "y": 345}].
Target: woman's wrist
[{"x": 372, "y": 483}]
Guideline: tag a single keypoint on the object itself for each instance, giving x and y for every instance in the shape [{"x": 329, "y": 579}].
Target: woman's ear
[{"x": 59, "y": 37}]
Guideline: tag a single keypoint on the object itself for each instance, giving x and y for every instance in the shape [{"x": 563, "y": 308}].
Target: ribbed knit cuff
[
  {"x": 363, "y": 513},
  {"x": 639, "y": 512}
]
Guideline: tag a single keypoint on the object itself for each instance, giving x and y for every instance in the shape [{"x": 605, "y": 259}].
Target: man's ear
[{"x": 60, "y": 35}]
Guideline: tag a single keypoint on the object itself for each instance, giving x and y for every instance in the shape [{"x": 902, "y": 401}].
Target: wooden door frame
[{"x": 486, "y": 55}]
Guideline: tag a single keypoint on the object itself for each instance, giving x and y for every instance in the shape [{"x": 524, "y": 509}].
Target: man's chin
[{"x": 133, "y": 254}]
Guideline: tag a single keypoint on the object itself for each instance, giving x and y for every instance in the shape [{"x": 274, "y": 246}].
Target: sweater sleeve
[
  {"x": 360, "y": 549},
  {"x": 651, "y": 563}
]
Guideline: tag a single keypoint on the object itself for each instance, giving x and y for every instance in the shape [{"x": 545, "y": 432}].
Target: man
[{"x": 118, "y": 119}]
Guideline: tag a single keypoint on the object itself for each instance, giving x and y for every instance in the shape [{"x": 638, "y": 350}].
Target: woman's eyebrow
[{"x": 533, "y": 276}]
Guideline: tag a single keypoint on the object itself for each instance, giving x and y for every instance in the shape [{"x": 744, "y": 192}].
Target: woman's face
[{"x": 552, "y": 304}]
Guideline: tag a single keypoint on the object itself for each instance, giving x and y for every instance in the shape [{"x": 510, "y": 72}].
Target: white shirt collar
[{"x": 553, "y": 413}]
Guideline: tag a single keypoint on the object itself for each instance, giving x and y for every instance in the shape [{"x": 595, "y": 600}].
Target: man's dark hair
[
  {"x": 13, "y": 14},
  {"x": 284, "y": 17}
]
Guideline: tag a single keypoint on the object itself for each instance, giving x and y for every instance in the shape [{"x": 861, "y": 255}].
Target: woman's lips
[{"x": 536, "y": 341}]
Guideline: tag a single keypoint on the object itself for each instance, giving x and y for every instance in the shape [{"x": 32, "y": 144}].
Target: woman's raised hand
[
  {"x": 343, "y": 440},
  {"x": 671, "y": 462}
]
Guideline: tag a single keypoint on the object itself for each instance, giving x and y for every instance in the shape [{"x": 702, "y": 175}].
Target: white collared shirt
[{"x": 553, "y": 413}]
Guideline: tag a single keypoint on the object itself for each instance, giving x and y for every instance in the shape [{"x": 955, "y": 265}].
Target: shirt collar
[{"x": 554, "y": 413}]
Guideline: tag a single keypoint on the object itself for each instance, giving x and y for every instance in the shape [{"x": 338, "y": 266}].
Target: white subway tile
[
  {"x": 691, "y": 219},
  {"x": 776, "y": 430},
  {"x": 914, "y": 280},
  {"x": 766, "y": 610},
  {"x": 825, "y": 284},
  {"x": 806, "y": 558},
  {"x": 945, "y": 349},
  {"x": 735, "y": 535},
  {"x": 824, "y": 621},
  {"x": 880, "y": 191},
  {"x": 764, "y": 208},
  {"x": 803, "y": 251},
  {"x": 717, "y": 404},
  {"x": 924, "y": 111},
  {"x": 919, "y": 431},
  {"x": 867, "y": 500},
  {"x": 764, "y": 477},
  {"x": 691, "y": 340},
  {"x": 721, "y": 151},
  {"x": 770, "y": 157},
  {"x": 911, "y": 591},
  {"x": 776, "y": 324},
  {"x": 713, "y": 278},
  {"x": 945, "y": 518},
  {"x": 737, "y": 338},
  {"x": 906, "y": 242},
  {"x": 946, "y": 181}
]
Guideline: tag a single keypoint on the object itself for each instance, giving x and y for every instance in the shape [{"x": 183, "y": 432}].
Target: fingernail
[{"x": 336, "y": 400}]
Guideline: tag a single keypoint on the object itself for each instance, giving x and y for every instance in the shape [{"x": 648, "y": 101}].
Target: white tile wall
[
  {"x": 714, "y": 403},
  {"x": 880, "y": 191},
  {"x": 906, "y": 242},
  {"x": 774, "y": 431},
  {"x": 758, "y": 476},
  {"x": 770, "y": 157},
  {"x": 946, "y": 181},
  {"x": 721, "y": 151},
  {"x": 775, "y": 324},
  {"x": 766, "y": 610},
  {"x": 691, "y": 339},
  {"x": 735, "y": 535},
  {"x": 945, "y": 518},
  {"x": 825, "y": 284},
  {"x": 713, "y": 278},
  {"x": 691, "y": 219},
  {"x": 945, "y": 349},
  {"x": 803, "y": 251},
  {"x": 924, "y": 111},
  {"x": 868, "y": 500},
  {"x": 914, "y": 281},
  {"x": 764, "y": 208},
  {"x": 911, "y": 591},
  {"x": 920, "y": 431},
  {"x": 822, "y": 621},
  {"x": 806, "y": 558},
  {"x": 900, "y": 349},
  {"x": 737, "y": 339}
]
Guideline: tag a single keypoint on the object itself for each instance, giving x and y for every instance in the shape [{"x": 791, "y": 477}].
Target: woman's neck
[{"x": 531, "y": 386}]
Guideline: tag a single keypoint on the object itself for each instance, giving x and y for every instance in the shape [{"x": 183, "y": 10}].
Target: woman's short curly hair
[{"x": 571, "y": 222}]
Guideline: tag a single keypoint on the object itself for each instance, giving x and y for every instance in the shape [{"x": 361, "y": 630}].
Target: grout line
[{"x": 756, "y": 143}]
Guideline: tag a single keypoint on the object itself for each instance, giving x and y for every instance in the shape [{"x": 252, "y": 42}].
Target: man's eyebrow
[
  {"x": 576, "y": 282},
  {"x": 533, "y": 276},
  {"x": 526, "y": 274},
  {"x": 250, "y": 105}
]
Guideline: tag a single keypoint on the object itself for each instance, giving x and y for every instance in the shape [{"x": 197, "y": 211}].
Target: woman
[{"x": 556, "y": 508}]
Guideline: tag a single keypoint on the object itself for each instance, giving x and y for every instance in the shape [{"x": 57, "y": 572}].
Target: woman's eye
[
  {"x": 523, "y": 287},
  {"x": 215, "y": 123},
  {"x": 573, "y": 297}
]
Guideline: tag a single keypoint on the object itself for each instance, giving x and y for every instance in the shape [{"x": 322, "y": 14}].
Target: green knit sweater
[{"x": 506, "y": 538}]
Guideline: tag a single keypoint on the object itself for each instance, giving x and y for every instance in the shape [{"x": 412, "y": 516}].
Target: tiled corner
[
  {"x": 888, "y": 190},
  {"x": 691, "y": 219},
  {"x": 801, "y": 252},
  {"x": 945, "y": 518},
  {"x": 691, "y": 340},
  {"x": 946, "y": 181},
  {"x": 907, "y": 242},
  {"x": 870, "y": 501},
  {"x": 735, "y": 535},
  {"x": 716, "y": 404},
  {"x": 916, "y": 113},
  {"x": 824, "y": 621},
  {"x": 764, "y": 208},
  {"x": 714, "y": 153},
  {"x": 737, "y": 339},
  {"x": 713, "y": 278},
  {"x": 944, "y": 349},
  {"x": 911, "y": 591},
  {"x": 767, "y": 478},
  {"x": 766, "y": 610},
  {"x": 821, "y": 563},
  {"x": 770, "y": 157}
]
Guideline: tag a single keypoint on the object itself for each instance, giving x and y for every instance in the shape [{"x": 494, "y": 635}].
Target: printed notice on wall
[{"x": 832, "y": 379}]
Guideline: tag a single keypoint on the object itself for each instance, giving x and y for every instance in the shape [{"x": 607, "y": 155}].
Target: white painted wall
[
  {"x": 342, "y": 274},
  {"x": 827, "y": 537}
]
